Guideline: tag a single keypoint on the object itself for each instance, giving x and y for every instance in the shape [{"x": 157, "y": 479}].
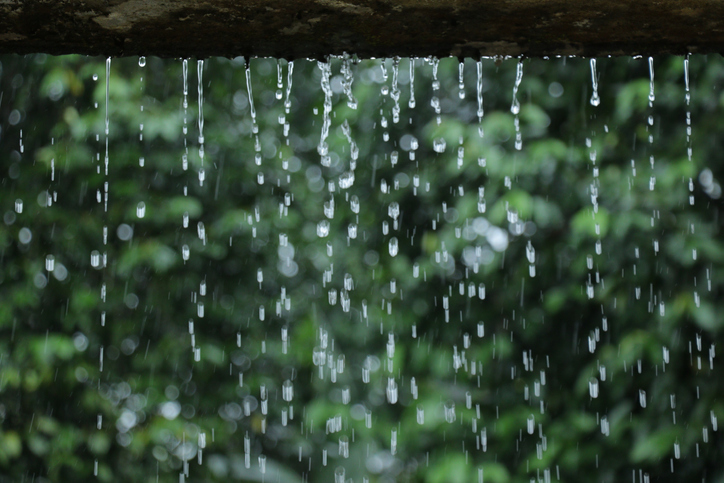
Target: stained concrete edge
[{"x": 366, "y": 28}]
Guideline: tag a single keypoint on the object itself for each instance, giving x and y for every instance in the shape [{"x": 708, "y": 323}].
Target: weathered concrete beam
[{"x": 368, "y": 28}]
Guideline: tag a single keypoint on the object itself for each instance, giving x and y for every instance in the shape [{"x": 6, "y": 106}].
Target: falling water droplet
[
  {"x": 393, "y": 246},
  {"x": 439, "y": 145},
  {"x": 323, "y": 228},
  {"x": 50, "y": 263},
  {"x": 449, "y": 408},
  {"x": 593, "y": 387}
]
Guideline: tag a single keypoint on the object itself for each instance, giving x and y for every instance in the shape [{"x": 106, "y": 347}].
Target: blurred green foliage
[{"x": 636, "y": 315}]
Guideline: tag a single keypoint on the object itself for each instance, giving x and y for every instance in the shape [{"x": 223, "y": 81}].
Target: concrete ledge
[{"x": 368, "y": 28}]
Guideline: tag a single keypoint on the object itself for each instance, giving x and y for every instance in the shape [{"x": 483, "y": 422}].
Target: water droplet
[
  {"x": 287, "y": 390},
  {"x": 393, "y": 246},
  {"x": 439, "y": 145},
  {"x": 50, "y": 263},
  {"x": 450, "y": 415},
  {"x": 323, "y": 228},
  {"x": 593, "y": 387}
]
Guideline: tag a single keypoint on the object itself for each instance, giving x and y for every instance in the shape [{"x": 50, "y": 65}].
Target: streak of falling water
[
  {"x": 252, "y": 109},
  {"x": 185, "y": 71},
  {"x": 280, "y": 80},
  {"x": 200, "y": 72},
  {"x": 479, "y": 87},
  {"x": 411, "y": 102},
  {"x": 108, "y": 90},
  {"x": 185, "y": 155},
  {"x": 595, "y": 100},
  {"x": 435, "y": 100},
  {"x": 108, "y": 124},
  {"x": 322, "y": 147},
  {"x": 689, "y": 150},
  {"x": 652, "y": 97},
  {"x": 650, "y": 120},
  {"x": 515, "y": 105},
  {"x": 461, "y": 80},
  {"x": 288, "y": 101},
  {"x": 395, "y": 92},
  {"x": 254, "y": 125},
  {"x": 141, "y": 64},
  {"x": 348, "y": 80},
  {"x": 99, "y": 418}
]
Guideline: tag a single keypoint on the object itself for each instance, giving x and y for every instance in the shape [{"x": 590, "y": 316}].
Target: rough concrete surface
[{"x": 367, "y": 28}]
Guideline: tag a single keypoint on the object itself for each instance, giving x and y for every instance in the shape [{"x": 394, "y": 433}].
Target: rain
[{"x": 360, "y": 270}]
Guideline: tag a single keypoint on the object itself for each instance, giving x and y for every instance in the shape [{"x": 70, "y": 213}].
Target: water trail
[
  {"x": 185, "y": 73},
  {"x": 515, "y": 106},
  {"x": 141, "y": 64},
  {"x": 108, "y": 124},
  {"x": 652, "y": 97},
  {"x": 461, "y": 79},
  {"x": 322, "y": 147},
  {"x": 348, "y": 77},
  {"x": 411, "y": 102},
  {"x": 595, "y": 100},
  {"x": 252, "y": 109},
  {"x": 479, "y": 88},
  {"x": 384, "y": 91},
  {"x": 282, "y": 117},
  {"x": 435, "y": 100},
  {"x": 689, "y": 150},
  {"x": 288, "y": 101},
  {"x": 254, "y": 124},
  {"x": 280, "y": 80},
  {"x": 99, "y": 416},
  {"x": 185, "y": 155},
  {"x": 395, "y": 92},
  {"x": 200, "y": 73},
  {"x": 594, "y": 194},
  {"x": 353, "y": 154},
  {"x": 200, "y": 89},
  {"x": 108, "y": 84},
  {"x": 650, "y": 127}
]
